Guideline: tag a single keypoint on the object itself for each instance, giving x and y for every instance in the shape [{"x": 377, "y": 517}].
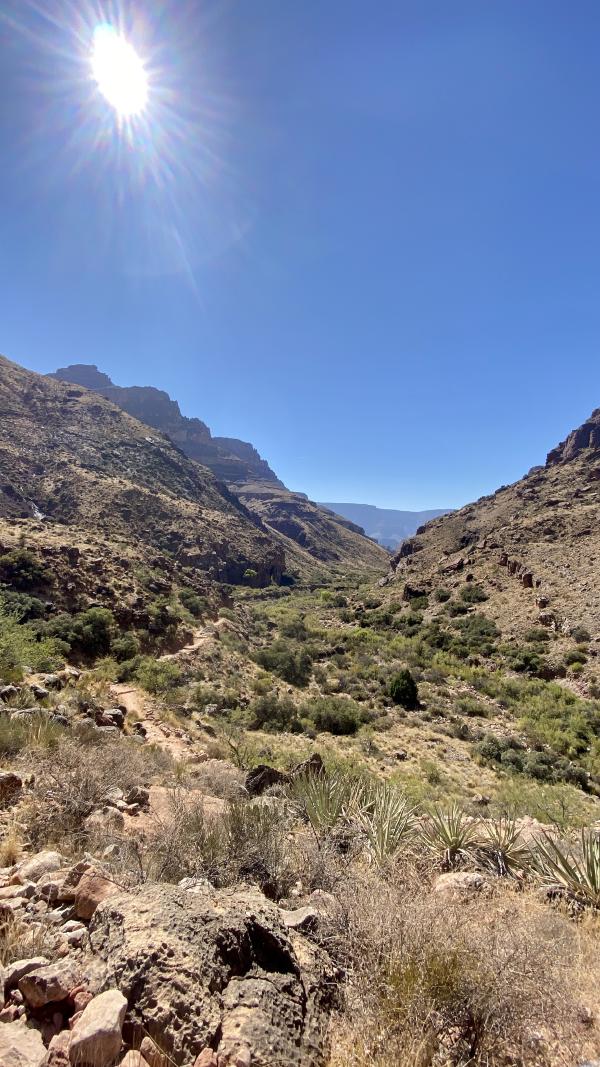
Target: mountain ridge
[{"x": 388, "y": 526}]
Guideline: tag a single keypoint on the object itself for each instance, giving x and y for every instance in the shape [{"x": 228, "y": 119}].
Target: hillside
[
  {"x": 386, "y": 525},
  {"x": 301, "y": 528},
  {"x": 534, "y": 546},
  {"x": 82, "y": 479}
]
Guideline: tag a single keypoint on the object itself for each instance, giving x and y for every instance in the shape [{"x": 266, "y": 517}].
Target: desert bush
[
  {"x": 574, "y": 871},
  {"x": 580, "y": 634},
  {"x": 334, "y": 715},
  {"x": 21, "y": 647},
  {"x": 403, "y": 689},
  {"x": 442, "y": 595},
  {"x": 272, "y": 712},
  {"x": 86, "y": 635},
  {"x": 575, "y": 656},
  {"x": 451, "y": 836},
  {"x": 125, "y": 647},
  {"x": 73, "y": 779},
  {"x": 157, "y": 676},
  {"x": 471, "y": 593},
  {"x": 194, "y": 603},
  {"x": 386, "y": 819},
  {"x": 291, "y": 663}
]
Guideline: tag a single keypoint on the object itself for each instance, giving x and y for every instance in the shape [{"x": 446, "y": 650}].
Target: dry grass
[{"x": 433, "y": 982}]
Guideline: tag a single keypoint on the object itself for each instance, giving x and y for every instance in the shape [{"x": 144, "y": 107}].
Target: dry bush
[
  {"x": 249, "y": 842},
  {"x": 21, "y": 939},
  {"x": 493, "y": 981},
  {"x": 74, "y": 779},
  {"x": 218, "y": 778},
  {"x": 11, "y": 845}
]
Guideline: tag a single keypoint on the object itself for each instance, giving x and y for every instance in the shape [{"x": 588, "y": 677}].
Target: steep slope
[
  {"x": 311, "y": 532},
  {"x": 306, "y": 533},
  {"x": 534, "y": 545},
  {"x": 75, "y": 468},
  {"x": 231, "y": 460},
  {"x": 386, "y": 525}
]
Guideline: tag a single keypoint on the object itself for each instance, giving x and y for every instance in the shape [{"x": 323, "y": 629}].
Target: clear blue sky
[{"x": 362, "y": 234}]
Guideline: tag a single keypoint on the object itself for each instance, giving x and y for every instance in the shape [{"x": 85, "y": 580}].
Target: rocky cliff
[{"x": 229, "y": 459}]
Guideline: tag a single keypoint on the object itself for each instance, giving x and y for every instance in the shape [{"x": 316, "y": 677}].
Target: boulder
[
  {"x": 20, "y": 1046},
  {"x": 17, "y": 970},
  {"x": 305, "y": 919},
  {"x": 33, "y": 869},
  {"x": 214, "y": 968},
  {"x": 96, "y": 1036},
  {"x": 50, "y": 983},
  {"x": 138, "y": 795},
  {"x": 39, "y": 692},
  {"x": 262, "y": 777},
  {"x": 92, "y": 889},
  {"x": 58, "y": 1050},
  {"x": 10, "y": 788},
  {"x": 104, "y": 821},
  {"x": 134, "y": 1059}
]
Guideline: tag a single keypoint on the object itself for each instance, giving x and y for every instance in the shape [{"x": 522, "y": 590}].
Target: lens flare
[{"x": 119, "y": 72}]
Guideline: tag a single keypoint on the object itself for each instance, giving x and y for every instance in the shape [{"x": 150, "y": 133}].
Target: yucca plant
[
  {"x": 451, "y": 834},
  {"x": 326, "y": 799},
  {"x": 501, "y": 846},
  {"x": 575, "y": 873},
  {"x": 387, "y": 821}
]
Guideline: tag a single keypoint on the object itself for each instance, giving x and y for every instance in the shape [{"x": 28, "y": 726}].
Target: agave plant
[
  {"x": 502, "y": 847},
  {"x": 575, "y": 873},
  {"x": 387, "y": 821},
  {"x": 451, "y": 834}
]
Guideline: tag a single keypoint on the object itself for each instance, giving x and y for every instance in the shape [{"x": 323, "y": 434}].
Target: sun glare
[{"x": 119, "y": 72}]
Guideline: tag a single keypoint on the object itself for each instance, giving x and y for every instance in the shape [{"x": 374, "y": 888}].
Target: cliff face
[
  {"x": 585, "y": 438},
  {"x": 229, "y": 459}
]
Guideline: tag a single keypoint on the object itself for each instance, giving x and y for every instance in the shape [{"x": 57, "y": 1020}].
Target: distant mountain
[
  {"x": 386, "y": 525},
  {"x": 229, "y": 459}
]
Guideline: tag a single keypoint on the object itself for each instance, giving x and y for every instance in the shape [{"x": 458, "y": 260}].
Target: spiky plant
[
  {"x": 387, "y": 821},
  {"x": 325, "y": 800},
  {"x": 576, "y": 873},
  {"x": 451, "y": 835},
  {"x": 501, "y": 846}
]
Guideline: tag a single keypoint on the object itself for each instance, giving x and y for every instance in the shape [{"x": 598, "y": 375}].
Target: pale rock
[
  {"x": 17, "y": 970},
  {"x": 96, "y": 1037},
  {"x": 58, "y": 1050},
  {"x": 33, "y": 869},
  {"x": 93, "y": 888},
  {"x": 460, "y": 883},
  {"x": 134, "y": 1059},
  {"x": 20, "y": 1046}
]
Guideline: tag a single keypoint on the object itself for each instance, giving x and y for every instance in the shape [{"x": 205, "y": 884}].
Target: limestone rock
[
  {"x": 20, "y": 1046},
  {"x": 215, "y": 968},
  {"x": 460, "y": 883},
  {"x": 96, "y": 1036}
]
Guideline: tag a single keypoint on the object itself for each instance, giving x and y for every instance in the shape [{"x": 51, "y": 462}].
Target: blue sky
[{"x": 362, "y": 235}]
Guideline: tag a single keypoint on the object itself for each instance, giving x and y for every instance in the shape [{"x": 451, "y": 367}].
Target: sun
[{"x": 119, "y": 72}]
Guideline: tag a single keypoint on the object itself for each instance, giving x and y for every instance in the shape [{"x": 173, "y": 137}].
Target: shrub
[
  {"x": 22, "y": 570},
  {"x": 157, "y": 676},
  {"x": 195, "y": 604},
  {"x": 292, "y": 664},
  {"x": 580, "y": 634},
  {"x": 442, "y": 595},
  {"x": 271, "y": 712},
  {"x": 125, "y": 647},
  {"x": 334, "y": 715},
  {"x": 403, "y": 689},
  {"x": 473, "y": 594},
  {"x": 87, "y": 635},
  {"x": 575, "y": 655},
  {"x": 21, "y": 647}
]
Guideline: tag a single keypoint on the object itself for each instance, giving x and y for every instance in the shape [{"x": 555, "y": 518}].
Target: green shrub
[
  {"x": 442, "y": 595},
  {"x": 581, "y": 635},
  {"x": 195, "y": 604},
  {"x": 157, "y": 676},
  {"x": 403, "y": 689},
  {"x": 271, "y": 712},
  {"x": 21, "y": 646},
  {"x": 334, "y": 715},
  {"x": 473, "y": 594},
  {"x": 575, "y": 655},
  {"x": 125, "y": 647},
  {"x": 292, "y": 664},
  {"x": 88, "y": 634},
  {"x": 23, "y": 571}
]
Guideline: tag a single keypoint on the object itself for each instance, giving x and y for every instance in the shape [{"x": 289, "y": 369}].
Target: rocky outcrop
[
  {"x": 202, "y": 968},
  {"x": 230, "y": 459},
  {"x": 583, "y": 438}
]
